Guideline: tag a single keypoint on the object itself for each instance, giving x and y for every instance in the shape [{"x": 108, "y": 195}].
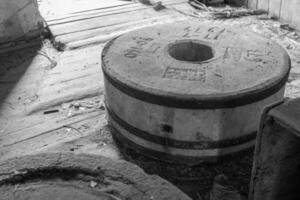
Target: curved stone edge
[
  {"x": 228, "y": 100},
  {"x": 152, "y": 186}
]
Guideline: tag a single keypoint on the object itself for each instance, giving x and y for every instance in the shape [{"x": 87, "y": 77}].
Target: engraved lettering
[
  {"x": 233, "y": 53},
  {"x": 254, "y": 55},
  {"x": 191, "y": 32},
  {"x": 153, "y": 48},
  {"x": 142, "y": 44},
  {"x": 132, "y": 53},
  {"x": 185, "y": 74},
  {"x": 214, "y": 33}
]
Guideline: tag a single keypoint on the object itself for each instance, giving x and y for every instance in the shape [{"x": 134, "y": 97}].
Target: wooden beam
[
  {"x": 287, "y": 9},
  {"x": 274, "y": 8},
  {"x": 252, "y": 4},
  {"x": 275, "y": 173},
  {"x": 296, "y": 16},
  {"x": 263, "y": 4}
]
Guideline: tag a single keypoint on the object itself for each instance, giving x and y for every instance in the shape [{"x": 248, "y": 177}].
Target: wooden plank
[
  {"x": 274, "y": 8},
  {"x": 116, "y": 9},
  {"x": 55, "y": 8},
  {"x": 287, "y": 9},
  {"x": 87, "y": 16},
  {"x": 106, "y": 19},
  {"x": 47, "y": 125},
  {"x": 60, "y": 137},
  {"x": 263, "y": 4},
  {"x": 100, "y": 26},
  {"x": 102, "y": 35},
  {"x": 296, "y": 16},
  {"x": 103, "y": 21},
  {"x": 252, "y": 4},
  {"x": 76, "y": 76}
]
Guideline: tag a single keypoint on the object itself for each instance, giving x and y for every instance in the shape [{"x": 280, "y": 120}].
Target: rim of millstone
[
  {"x": 80, "y": 176},
  {"x": 245, "y": 67}
]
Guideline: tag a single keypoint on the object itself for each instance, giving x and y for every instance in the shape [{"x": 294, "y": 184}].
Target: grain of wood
[
  {"x": 274, "y": 8},
  {"x": 296, "y": 15},
  {"x": 46, "y": 125},
  {"x": 98, "y": 26},
  {"x": 263, "y": 4},
  {"x": 252, "y": 4},
  {"x": 105, "y": 11},
  {"x": 56, "y": 137},
  {"x": 287, "y": 9}
]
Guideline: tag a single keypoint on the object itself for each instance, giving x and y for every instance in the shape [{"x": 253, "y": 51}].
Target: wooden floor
[
  {"x": 100, "y": 24},
  {"x": 53, "y": 100},
  {"x": 286, "y": 11}
]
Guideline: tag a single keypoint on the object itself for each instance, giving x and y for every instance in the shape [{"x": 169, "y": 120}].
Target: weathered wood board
[
  {"x": 275, "y": 8},
  {"x": 252, "y": 4},
  {"x": 98, "y": 25},
  {"x": 286, "y": 10},
  {"x": 275, "y": 173},
  {"x": 39, "y": 79},
  {"x": 263, "y": 4},
  {"x": 296, "y": 14}
]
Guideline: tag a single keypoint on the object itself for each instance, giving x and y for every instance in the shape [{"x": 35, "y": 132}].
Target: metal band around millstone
[
  {"x": 192, "y": 103},
  {"x": 184, "y": 159}
]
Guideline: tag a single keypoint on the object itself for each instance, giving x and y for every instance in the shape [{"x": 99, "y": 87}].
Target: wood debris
[
  {"x": 236, "y": 13},
  {"x": 226, "y": 12},
  {"x": 157, "y": 5}
]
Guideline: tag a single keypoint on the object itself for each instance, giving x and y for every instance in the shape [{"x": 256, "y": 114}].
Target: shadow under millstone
[{"x": 197, "y": 180}]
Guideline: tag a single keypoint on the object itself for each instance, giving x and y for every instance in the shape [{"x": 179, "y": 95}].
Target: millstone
[
  {"x": 80, "y": 177},
  {"x": 191, "y": 92}
]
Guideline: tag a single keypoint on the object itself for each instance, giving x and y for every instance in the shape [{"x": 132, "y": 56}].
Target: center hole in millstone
[{"x": 190, "y": 51}]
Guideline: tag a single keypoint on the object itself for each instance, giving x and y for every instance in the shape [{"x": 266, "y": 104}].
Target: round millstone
[
  {"x": 79, "y": 177},
  {"x": 188, "y": 91}
]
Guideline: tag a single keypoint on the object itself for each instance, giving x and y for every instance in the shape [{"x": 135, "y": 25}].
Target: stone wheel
[{"x": 80, "y": 177}]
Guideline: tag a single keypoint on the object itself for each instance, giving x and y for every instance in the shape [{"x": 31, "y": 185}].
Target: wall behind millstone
[
  {"x": 18, "y": 18},
  {"x": 287, "y": 11}
]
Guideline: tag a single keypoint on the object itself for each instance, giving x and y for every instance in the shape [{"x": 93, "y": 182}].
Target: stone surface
[
  {"x": 241, "y": 63},
  {"x": 78, "y": 177},
  {"x": 190, "y": 92}
]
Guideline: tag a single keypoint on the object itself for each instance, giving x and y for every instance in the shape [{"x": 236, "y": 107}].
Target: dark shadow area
[
  {"x": 196, "y": 180},
  {"x": 191, "y": 51},
  {"x": 13, "y": 65}
]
